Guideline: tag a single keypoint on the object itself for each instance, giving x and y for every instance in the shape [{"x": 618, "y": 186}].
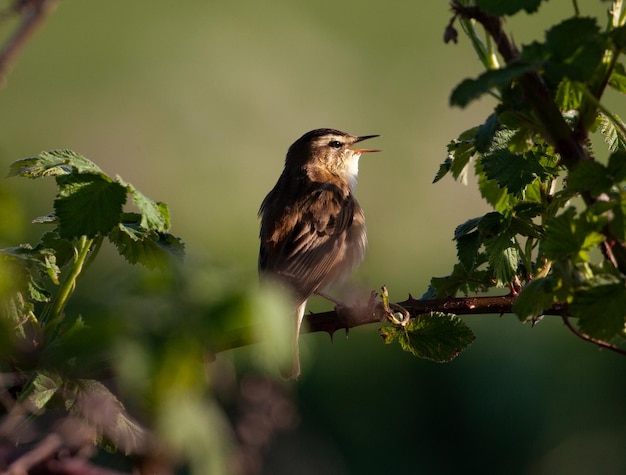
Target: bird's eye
[{"x": 335, "y": 144}]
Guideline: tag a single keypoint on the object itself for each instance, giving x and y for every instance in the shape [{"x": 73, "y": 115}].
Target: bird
[{"x": 313, "y": 230}]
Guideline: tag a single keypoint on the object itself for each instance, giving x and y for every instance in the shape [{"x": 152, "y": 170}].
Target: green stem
[{"x": 69, "y": 283}]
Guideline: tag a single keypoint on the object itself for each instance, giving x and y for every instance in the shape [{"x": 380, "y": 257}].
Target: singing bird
[{"x": 312, "y": 227}]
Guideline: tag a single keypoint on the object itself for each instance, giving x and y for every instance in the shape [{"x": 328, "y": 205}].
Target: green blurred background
[{"x": 196, "y": 102}]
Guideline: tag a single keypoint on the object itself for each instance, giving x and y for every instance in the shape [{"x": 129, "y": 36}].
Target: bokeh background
[{"x": 196, "y": 102}]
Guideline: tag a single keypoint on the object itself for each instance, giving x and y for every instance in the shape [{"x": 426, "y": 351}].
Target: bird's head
[{"x": 330, "y": 150}]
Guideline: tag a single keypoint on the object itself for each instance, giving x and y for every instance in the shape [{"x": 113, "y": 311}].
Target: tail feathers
[{"x": 294, "y": 371}]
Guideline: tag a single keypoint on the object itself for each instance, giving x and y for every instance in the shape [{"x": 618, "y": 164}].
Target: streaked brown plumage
[{"x": 312, "y": 228}]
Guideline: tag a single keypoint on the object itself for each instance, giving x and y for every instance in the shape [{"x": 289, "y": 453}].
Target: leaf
[
  {"x": 437, "y": 337},
  {"x": 569, "y": 237},
  {"x": 44, "y": 388},
  {"x": 617, "y": 80},
  {"x": 467, "y": 248},
  {"x": 503, "y": 256},
  {"x": 508, "y": 7},
  {"x": 510, "y": 170},
  {"x": 536, "y": 297},
  {"x": 154, "y": 215},
  {"x": 460, "y": 280},
  {"x": 601, "y": 309},
  {"x": 486, "y": 133},
  {"x": 617, "y": 166},
  {"x": 138, "y": 245},
  {"x": 575, "y": 47},
  {"x": 92, "y": 402},
  {"x": 88, "y": 205},
  {"x": 589, "y": 176},
  {"x": 568, "y": 96},
  {"x": 470, "y": 89},
  {"x": 497, "y": 197},
  {"x": 53, "y": 163},
  {"x": 611, "y": 130}
]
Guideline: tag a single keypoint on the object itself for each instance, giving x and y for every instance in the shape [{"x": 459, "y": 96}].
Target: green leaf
[
  {"x": 611, "y": 130},
  {"x": 470, "y": 89},
  {"x": 536, "y": 297},
  {"x": 508, "y": 7},
  {"x": 569, "y": 237},
  {"x": 568, "y": 96},
  {"x": 617, "y": 166},
  {"x": 576, "y": 48},
  {"x": 44, "y": 388},
  {"x": 589, "y": 176},
  {"x": 460, "y": 280},
  {"x": 601, "y": 309},
  {"x": 487, "y": 133},
  {"x": 53, "y": 163},
  {"x": 503, "y": 256},
  {"x": 510, "y": 170},
  {"x": 138, "y": 245},
  {"x": 460, "y": 151},
  {"x": 467, "y": 248},
  {"x": 88, "y": 205},
  {"x": 618, "y": 78},
  {"x": 437, "y": 337},
  {"x": 154, "y": 215},
  {"x": 497, "y": 197}
]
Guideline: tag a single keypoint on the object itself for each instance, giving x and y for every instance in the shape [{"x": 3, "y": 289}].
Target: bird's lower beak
[{"x": 365, "y": 150}]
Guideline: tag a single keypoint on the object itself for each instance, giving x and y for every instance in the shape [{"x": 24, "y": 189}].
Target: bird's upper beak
[{"x": 365, "y": 150}]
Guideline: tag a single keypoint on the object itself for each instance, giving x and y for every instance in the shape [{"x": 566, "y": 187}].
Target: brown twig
[
  {"x": 587, "y": 338},
  {"x": 33, "y": 12}
]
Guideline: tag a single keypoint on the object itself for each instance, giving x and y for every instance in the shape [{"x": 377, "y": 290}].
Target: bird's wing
[{"x": 305, "y": 250}]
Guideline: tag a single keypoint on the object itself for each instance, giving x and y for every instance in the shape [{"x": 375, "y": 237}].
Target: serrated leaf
[
  {"x": 503, "y": 256},
  {"x": 94, "y": 403},
  {"x": 617, "y": 166},
  {"x": 486, "y": 133},
  {"x": 589, "y": 176},
  {"x": 508, "y": 7},
  {"x": 511, "y": 170},
  {"x": 576, "y": 48},
  {"x": 536, "y": 297},
  {"x": 601, "y": 310},
  {"x": 53, "y": 163},
  {"x": 437, "y": 337},
  {"x": 444, "y": 168},
  {"x": 568, "y": 95},
  {"x": 459, "y": 281},
  {"x": 569, "y": 237},
  {"x": 467, "y": 247},
  {"x": 611, "y": 130},
  {"x": 88, "y": 205},
  {"x": 44, "y": 388},
  {"x": 497, "y": 197},
  {"x": 470, "y": 89},
  {"x": 149, "y": 248},
  {"x": 617, "y": 79},
  {"x": 154, "y": 215}
]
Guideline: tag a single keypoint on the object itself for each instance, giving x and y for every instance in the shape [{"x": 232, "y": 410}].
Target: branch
[
  {"x": 587, "y": 338},
  {"x": 374, "y": 312},
  {"x": 34, "y": 12}
]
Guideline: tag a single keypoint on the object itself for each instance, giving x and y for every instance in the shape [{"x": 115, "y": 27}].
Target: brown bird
[{"x": 312, "y": 228}]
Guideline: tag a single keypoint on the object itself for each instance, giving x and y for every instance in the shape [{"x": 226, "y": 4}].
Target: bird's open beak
[{"x": 365, "y": 150}]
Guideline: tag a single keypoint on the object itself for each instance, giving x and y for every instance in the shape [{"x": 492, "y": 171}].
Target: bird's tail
[{"x": 294, "y": 371}]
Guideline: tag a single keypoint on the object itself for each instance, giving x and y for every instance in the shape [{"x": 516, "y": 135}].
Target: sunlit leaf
[
  {"x": 437, "y": 337},
  {"x": 88, "y": 205}
]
